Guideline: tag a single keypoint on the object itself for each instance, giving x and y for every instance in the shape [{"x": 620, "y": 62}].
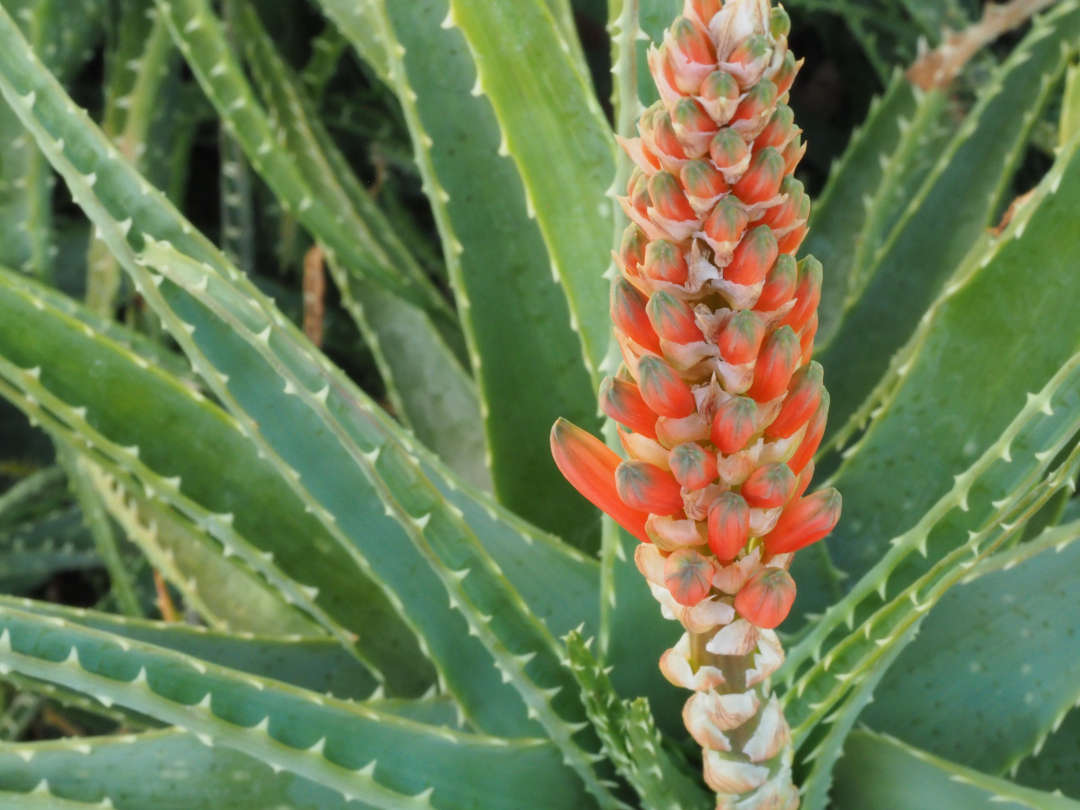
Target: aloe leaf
[
  {"x": 136, "y": 69},
  {"x": 224, "y": 591},
  {"x": 32, "y": 552},
  {"x": 376, "y": 502},
  {"x": 379, "y": 759},
  {"x": 557, "y": 137},
  {"x": 317, "y": 664},
  {"x": 881, "y": 773},
  {"x": 1056, "y": 766},
  {"x": 839, "y": 212},
  {"x": 97, "y": 521},
  {"x": 1003, "y": 629},
  {"x": 36, "y": 496},
  {"x": 864, "y": 651},
  {"x": 429, "y": 389},
  {"x": 977, "y": 336},
  {"x": 26, "y": 226},
  {"x": 816, "y": 786},
  {"x": 949, "y": 213},
  {"x": 201, "y": 41},
  {"x": 630, "y": 737},
  {"x": 495, "y": 254},
  {"x": 872, "y": 180},
  {"x": 237, "y": 498}
]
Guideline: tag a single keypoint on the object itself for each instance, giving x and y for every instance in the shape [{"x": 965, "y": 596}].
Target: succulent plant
[{"x": 364, "y": 582}]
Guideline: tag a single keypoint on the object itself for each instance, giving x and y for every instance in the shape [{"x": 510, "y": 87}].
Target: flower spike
[{"x": 720, "y": 407}]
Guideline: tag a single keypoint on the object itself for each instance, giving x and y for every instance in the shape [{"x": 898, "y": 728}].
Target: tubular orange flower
[{"x": 723, "y": 408}]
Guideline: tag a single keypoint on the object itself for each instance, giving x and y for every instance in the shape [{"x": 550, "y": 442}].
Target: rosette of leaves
[{"x": 352, "y": 576}]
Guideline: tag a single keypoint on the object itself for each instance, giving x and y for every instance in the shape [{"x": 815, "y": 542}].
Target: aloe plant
[{"x": 339, "y": 565}]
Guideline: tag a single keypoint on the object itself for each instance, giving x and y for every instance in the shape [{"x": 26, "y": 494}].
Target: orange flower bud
[
  {"x": 632, "y": 247},
  {"x": 727, "y": 222},
  {"x": 776, "y": 363},
  {"x": 628, "y": 313},
  {"x": 802, "y": 400},
  {"x": 728, "y": 149},
  {"x": 701, "y": 179},
  {"x": 719, "y": 94},
  {"x": 729, "y": 525},
  {"x": 740, "y": 338},
  {"x": 780, "y": 284},
  {"x": 663, "y": 389},
  {"x": 687, "y": 576},
  {"x": 589, "y": 465},
  {"x": 692, "y": 465},
  {"x": 780, "y": 129},
  {"x": 668, "y": 198},
  {"x": 735, "y": 422},
  {"x": 647, "y": 488},
  {"x": 807, "y": 294},
  {"x": 766, "y": 599},
  {"x": 815, "y": 430},
  {"x": 805, "y": 522},
  {"x": 785, "y": 75},
  {"x": 672, "y": 319},
  {"x": 762, "y": 180},
  {"x": 769, "y": 486},
  {"x": 622, "y": 401},
  {"x": 753, "y": 257},
  {"x": 664, "y": 261}
]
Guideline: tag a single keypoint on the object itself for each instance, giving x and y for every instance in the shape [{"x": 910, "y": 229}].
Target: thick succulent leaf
[
  {"x": 495, "y": 253},
  {"x": 200, "y": 38},
  {"x": 425, "y": 381},
  {"x": 999, "y": 640},
  {"x": 978, "y": 336},
  {"x": 320, "y": 665},
  {"x": 26, "y": 220},
  {"x": 32, "y": 552},
  {"x": 840, "y": 211},
  {"x": 830, "y": 678},
  {"x": 382, "y": 760},
  {"x": 36, "y": 496},
  {"x": 949, "y": 213},
  {"x": 81, "y": 476},
  {"x": 239, "y": 498},
  {"x": 828, "y": 747},
  {"x": 376, "y": 501},
  {"x": 226, "y": 592},
  {"x": 880, "y": 773},
  {"x": 1056, "y": 767},
  {"x": 560, "y": 142},
  {"x": 880, "y": 171},
  {"x": 630, "y": 737}
]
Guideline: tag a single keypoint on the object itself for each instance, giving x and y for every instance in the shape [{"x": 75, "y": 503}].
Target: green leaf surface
[
  {"x": 948, "y": 550},
  {"x": 307, "y": 418},
  {"x": 328, "y": 741},
  {"x": 1055, "y": 767},
  {"x": 425, "y": 382},
  {"x": 828, "y": 748},
  {"x": 525, "y": 358},
  {"x": 840, "y": 211},
  {"x": 880, "y": 773},
  {"x": 948, "y": 215},
  {"x": 32, "y": 552},
  {"x": 993, "y": 660},
  {"x": 630, "y": 737},
  {"x": 557, "y": 136},
  {"x": 320, "y": 665},
  {"x": 202, "y": 42},
  {"x": 131, "y": 402},
  {"x": 978, "y": 337}
]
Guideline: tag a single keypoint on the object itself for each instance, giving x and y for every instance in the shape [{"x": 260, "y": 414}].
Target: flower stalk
[{"x": 718, "y": 405}]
